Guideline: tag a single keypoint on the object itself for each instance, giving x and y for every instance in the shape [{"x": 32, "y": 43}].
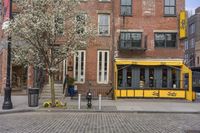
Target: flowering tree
[{"x": 46, "y": 32}]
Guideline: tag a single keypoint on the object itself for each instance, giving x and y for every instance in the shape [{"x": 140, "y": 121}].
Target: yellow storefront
[{"x": 153, "y": 78}]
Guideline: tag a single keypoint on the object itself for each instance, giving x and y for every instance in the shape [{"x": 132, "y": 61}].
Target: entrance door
[{"x": 58, "y": 77}]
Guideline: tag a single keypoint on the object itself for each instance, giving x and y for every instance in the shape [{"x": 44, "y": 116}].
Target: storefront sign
[{"x": 182, "y": 25}]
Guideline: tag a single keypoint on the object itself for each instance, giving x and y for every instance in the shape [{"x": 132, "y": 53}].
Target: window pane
[
  {"x": 164, "y": 78},
  {"x": 167, "y": 2},
  {"x": 126, "y": 10},
  {"x": 172, "y": 2},
  {"x": 159, "y": 40},
  {"x": 172, "y": 10},
  {"x": 103, "y": 24},
  {"x": 129, "y": 77},
  {"x": 125, "y": 2}
]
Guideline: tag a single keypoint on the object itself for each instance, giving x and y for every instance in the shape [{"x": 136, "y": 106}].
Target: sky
[{"x": 192, "y": 4}]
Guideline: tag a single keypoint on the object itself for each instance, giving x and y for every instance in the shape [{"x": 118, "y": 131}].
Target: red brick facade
[{"x": 146, "y": 22}]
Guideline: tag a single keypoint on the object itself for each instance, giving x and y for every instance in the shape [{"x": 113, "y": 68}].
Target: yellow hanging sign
[{"x": 182, "y": 25}]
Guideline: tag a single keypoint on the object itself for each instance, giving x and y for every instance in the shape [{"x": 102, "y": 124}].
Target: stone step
[
  {"x": 49, "y": 97},
  {"x": 49, "y": 91}
]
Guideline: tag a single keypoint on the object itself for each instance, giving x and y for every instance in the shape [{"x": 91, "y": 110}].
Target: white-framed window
[
  {"x": 79, "y": 66},
  {"x": 103, "y": 66},
  {"x": 104, "y": 24}
]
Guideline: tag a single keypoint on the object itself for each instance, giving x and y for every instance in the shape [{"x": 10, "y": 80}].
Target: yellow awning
[{"x": 149, "y": 62}]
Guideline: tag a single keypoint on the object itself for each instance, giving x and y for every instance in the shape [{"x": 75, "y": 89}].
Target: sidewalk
[{"x": 20, "y": 104}]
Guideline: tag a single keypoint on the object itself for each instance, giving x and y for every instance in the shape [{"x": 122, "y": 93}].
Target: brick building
[
  {"x": 137, "y": 50},
  {"x": 192, "y": 46}
]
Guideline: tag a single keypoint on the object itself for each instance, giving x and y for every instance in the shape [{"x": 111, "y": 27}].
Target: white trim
[
  {"x": 130, "y": 30},
  {"x": 102, "y": 80},
  {"x": 164, "y": 31},
  {"x": 79, "y": 66}
]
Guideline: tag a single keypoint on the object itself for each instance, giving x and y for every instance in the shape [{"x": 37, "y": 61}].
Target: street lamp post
[{"x": 7, "y": 104}]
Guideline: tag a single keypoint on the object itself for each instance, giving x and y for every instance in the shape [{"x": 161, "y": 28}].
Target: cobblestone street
[{"x": 80, "y": 122}]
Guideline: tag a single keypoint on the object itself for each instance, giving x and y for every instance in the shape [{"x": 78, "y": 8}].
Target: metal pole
[
  {"x": 79, "y": 101},
  {"x": 7, "y": 104},
  {"x": 99, "y": 101}
]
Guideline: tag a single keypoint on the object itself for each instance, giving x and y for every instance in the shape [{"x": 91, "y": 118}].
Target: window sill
[
  {"x": 104, "y": 35},
  {"x": 126, "y": 15},
  {"x": 105, "y": 1},
  {"x": 165, "y": 47},
  {"x": 165, "y": 15}
]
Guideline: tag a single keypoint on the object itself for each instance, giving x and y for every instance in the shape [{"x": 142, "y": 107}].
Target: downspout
[{"x": 113, "y": 47}]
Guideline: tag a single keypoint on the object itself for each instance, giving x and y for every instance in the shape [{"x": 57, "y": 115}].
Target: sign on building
[{"x": 182, "y": 25}]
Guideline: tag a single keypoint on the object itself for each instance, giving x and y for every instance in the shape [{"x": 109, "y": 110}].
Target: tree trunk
[{"x": 52, "y": 89}]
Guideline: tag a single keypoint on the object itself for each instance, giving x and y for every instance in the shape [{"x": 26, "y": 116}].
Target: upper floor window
[
  {"x": 129, "y": 40},
  {"x": 104, "y": 24},
  {"x": 59, "y": 24},
  {"x": 192, "y": 28},
  {"x": 186, "y": 44},
  {"x": 80, "y": 23},
  {"x": 165, "y": 40},
  {"x": 192, "y": 43},
  {"x": 170, "y": 7},
  {"x": 126, "y": 7}
]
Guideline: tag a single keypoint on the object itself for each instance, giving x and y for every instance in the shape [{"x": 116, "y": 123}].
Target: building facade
[
  {"x": 137, "y": 50},
  {"x": 191, "y": 43}
]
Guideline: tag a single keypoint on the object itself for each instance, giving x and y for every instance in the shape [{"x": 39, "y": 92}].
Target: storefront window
[
  {"x": 151, "y": 77},
  {"x": 164, "y": 78},
  {"x": 129, "y": 77},
  {"x": 120, "y": 76},
  {"x": 173, "y": 78},
  {"x": 142, "y": 77}
]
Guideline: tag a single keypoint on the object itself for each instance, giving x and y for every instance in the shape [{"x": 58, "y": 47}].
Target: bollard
[
  {"x": 79, "y": 101},
  {"x": 99, "y": 101}
]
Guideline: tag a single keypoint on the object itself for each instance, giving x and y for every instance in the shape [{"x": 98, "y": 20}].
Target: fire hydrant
[{"x": 89, "y": 99}]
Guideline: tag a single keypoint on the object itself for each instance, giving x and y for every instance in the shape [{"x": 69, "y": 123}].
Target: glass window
[
  {"x": 79, "y": 66},
  {"x": 130, "y": 40},
  {"x": 192, "y": 28},
  {"x": 104, "y": 24},
  {"x": 59, "y": 25},
  {"x": 126, "y": 7},
  {"x": 165, "y": 40},
  {"x": 151, "y": 77},
  {"x": 142, "y": 77},
  {"x": 120, "y": 76},
  {"x": 103, "y": 66},
  {"x": 164, "y": 78},
  {"x": 129, "y": 77},
  {"x": 80, "y": 20},
  {"x": 170, "y": 7}
]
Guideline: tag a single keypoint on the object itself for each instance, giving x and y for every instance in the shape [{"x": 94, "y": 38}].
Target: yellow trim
[
  {"x": 139, "y": 93},
  {"x": 189, "y": 95}
]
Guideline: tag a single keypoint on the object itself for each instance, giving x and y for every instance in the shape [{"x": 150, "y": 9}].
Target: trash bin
[
  {"x": 198, "y": 96},
  {"x": 33, "y": 96}
]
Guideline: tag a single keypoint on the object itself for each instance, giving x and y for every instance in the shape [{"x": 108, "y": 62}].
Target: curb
[
  {"x": 17, "y": 111},
  {"x": 115, "y": 111},
  {"x": 94, "y": 111}
]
